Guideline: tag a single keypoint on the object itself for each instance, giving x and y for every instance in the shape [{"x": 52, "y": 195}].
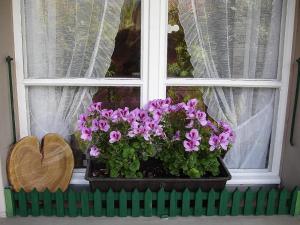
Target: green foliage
[{"x": 178, "y": 162}]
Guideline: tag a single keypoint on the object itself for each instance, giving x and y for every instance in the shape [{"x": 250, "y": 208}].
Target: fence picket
[
  {"x": 260, "y": 202},
  {"x": 35, "y": 208},
  {"x": 47, "y": 202},
  {"x": 97, "y": 203},
  {"x": 123, "y": 204},
  {"x": 248, "y": 206},
  {"x": 198, "y": 203},
  {"x": 282, "y": 207},
  {"x": 173, "y": 203},
  {"x": 72, "y": 208},
  {"x": 185, "y": 203},
  {"x": 59, "y": 199},
  {"x": 22, "y": 203},
  {"x": 271, "y": 202},
  {"x": 211, "y": 210},
  {"x": 223, "y": 202},
  {"x": 294, "y": 200},
  {"x": 135, "y": 203},
  {"x": 110, "y": 202},
  {"x": 161, "y": 202},
  {"x": 236, "y": 201},
  {"x": 85, "y": 206},
  {"x": 148, "y": 203}
]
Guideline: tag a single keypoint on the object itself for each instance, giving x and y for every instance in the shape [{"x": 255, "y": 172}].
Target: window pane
[
  {"x": 90, "y": 39},
  {"x": 249, "y": 110},
  {"x": 224, "y": 39},
  {"x": 56, "y": 110},
  {"x": 125, "y": 61}
]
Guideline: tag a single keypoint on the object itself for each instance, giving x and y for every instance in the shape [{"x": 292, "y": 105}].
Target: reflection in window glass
[
  {"x": 125, "y": 61},
  {"x": 179, "y": 64}
]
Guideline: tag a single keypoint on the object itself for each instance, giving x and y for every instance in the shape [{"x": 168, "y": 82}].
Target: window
[{"x": 231, "y": 55}]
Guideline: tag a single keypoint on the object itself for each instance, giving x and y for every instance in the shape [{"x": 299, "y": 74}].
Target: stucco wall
[
  {"x": 6, "y": 43},
  {"x": 290, "y": 172}
]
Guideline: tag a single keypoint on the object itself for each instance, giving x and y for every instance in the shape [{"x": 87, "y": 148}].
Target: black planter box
[{"x": 154, "y": 184}]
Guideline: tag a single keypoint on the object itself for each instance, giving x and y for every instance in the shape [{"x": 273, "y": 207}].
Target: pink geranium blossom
[
  {"x": 94, "y": 152},
  {"x": 86, "y": 134},
  {"x": 114, "y": 136}
]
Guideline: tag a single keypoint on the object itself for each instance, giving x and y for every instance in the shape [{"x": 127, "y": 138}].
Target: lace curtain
[
  {"x": 236, "y": 39},
  {"x": 66, "y": 39}
]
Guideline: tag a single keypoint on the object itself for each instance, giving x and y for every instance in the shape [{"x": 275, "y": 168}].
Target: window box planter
[{"x": 154, "y": 184}]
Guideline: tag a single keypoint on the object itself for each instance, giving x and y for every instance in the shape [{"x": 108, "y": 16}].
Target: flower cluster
[
  {"x": 150, "y": 122},
  {"x": 180, "y": 135}
]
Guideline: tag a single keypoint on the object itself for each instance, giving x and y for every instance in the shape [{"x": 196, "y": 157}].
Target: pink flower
[
  {"x": 103, "y": 125},
  {"x": 201, "y": 117},
  {"x": 223, "y": 139},
  {"x": 191, "y": 145},
  {"x": 214, "y": 142},
  {"x": 82, "y": 121},
  {"x": 191, "y": 104},
  {"x": 95, "y": 152},
  {"x": 95, "y": 125},
  {"x": 107, "y": 113},
  {"x": 193, "y": 135},
  {"x": 95, "y": 107},
  {"x": 114, "y": 136},
  {"x": 86, "y": 134}
]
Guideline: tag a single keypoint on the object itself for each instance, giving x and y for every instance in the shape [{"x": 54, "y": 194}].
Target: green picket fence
[{"x": 161, "y": 203}]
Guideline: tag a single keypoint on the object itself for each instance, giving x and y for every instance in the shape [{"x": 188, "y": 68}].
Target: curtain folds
[
  {"x": 236, "y": 39},
  {"x": 66, "y": 39}
]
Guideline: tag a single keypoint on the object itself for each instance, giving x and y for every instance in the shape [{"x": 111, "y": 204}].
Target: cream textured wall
[
  {"x": 6, "y": 48},
  {"x": 290, "y": 172}
]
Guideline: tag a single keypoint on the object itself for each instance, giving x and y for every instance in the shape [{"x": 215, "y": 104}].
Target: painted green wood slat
[
  {"x": 135, "y": 203},
  {"x": 199, "y": 203},
  {"x": 173, "y": 203},
  {"x": 110, "y": 203},
  {"x": 294, "y": 200},
  {"x": 260, "y": 202},
  {"x": 148, "y": 203},
  {"x": 248, "y": 205},
  {"x": 71, "y": 200},
  {"x": 211, "y": 210},
  {"x": 297, "y": 206},
  {"x": 22, "y": 203},
  {"x": 223, "y": 202},
  {"x": 59, "y": 199},
  {"x": 97, "y": 206},
  {"x": 9, "y": 202},
  {"x": 271, "y": 202},
  {"x": 185, "y": 209},
  {"x": 123, "y": 203},
  {"x": 84, "y": 201},
  {"x": 35, "y": 208},
  {"x": 160, "y": 202},
  {"x": 47, "y": 202},
  {"x": 236, "y": 201},
  {"x": 282, "y": 206}
]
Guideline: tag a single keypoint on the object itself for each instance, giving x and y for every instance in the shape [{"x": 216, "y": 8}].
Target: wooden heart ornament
[{"x": 49, "y": 165}]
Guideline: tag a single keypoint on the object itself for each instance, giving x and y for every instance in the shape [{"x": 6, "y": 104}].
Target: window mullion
[{"x": 158, "y": 14}]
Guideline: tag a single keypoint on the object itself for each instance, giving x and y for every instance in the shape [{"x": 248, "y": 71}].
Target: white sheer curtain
[
  {"x": 66, "y": 39},
  {"x": 236, "y": 39}
]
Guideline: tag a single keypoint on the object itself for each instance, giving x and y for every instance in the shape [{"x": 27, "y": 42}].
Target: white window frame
[{"x": 154, "y": 62}]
